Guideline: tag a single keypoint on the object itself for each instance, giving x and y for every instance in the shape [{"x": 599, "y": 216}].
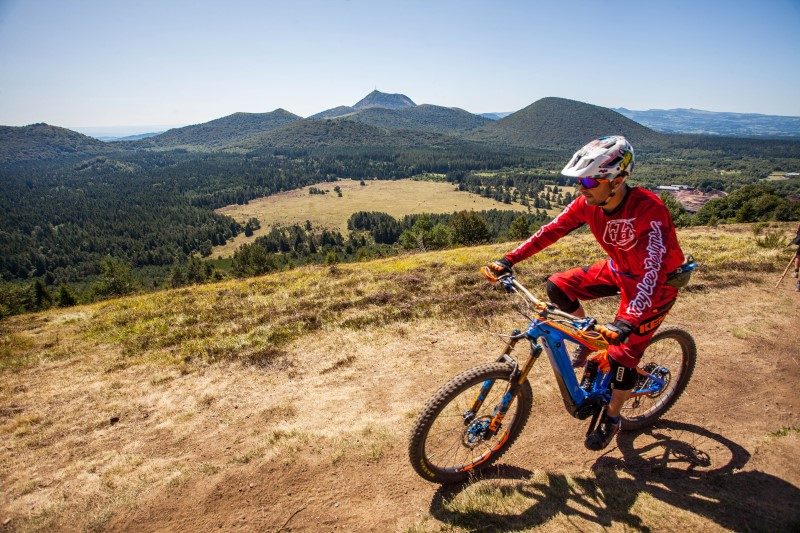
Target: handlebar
[{"x": 583, "y": 326}]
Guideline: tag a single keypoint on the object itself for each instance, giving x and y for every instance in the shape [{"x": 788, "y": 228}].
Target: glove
[
  {"x": 616, "y": 332},
  {"x": 601, "y": 358},
  {"x": 496, "y": 269}
]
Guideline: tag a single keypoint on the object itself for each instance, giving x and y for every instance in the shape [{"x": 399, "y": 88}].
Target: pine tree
[
  {"x": 41, "y": 297},
  {"x": 116, "y": 279},
  {"x": 66, "y": 298},
  {"x": 518, "y": 229}
]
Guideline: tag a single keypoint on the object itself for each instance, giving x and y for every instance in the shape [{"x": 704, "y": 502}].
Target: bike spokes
[
  {"x": 462, "y": 438},
  {"x": 665, "y": 368}
]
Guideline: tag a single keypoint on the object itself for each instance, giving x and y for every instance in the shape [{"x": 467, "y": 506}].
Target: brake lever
[{"x": 507, "y": 281}]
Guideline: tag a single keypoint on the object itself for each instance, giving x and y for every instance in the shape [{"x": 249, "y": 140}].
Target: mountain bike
[{"x": 476, "y": 416}]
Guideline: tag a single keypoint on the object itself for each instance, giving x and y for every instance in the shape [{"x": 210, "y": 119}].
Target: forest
[{"x": 72, "y": 227}]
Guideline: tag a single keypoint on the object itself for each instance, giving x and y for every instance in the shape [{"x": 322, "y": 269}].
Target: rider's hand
[
  {"x": 601, "y": 358},
  {"x": 616, "y": 332},
  {"x": 496, "y": 269}
]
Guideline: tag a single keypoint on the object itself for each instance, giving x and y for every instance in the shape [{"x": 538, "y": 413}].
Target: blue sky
[{"x": 90, "y": 63}]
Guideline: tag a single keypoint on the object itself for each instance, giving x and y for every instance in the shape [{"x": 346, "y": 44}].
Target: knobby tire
[{"x": 454, "y": 398}]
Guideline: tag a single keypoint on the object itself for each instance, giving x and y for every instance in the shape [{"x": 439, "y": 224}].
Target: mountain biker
[{"x": 635, "y": 229}]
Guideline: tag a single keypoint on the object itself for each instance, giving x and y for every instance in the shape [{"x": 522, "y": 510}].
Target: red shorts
[{"x": 598, "y": 280}]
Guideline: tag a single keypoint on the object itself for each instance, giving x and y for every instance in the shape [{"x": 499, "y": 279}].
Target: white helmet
[{"x": 606, "y": 157}]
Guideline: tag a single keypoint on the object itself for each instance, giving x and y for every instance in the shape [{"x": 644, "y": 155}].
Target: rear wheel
[
  {"x": 448, "y": 441},
  {"x": 671, "y": 356}
]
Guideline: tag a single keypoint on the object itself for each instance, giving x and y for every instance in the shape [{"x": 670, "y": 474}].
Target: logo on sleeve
[{"x": 620, "y": 233}]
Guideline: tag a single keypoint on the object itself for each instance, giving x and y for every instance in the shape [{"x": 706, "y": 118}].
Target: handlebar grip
[{"x": 489, "y": 275}]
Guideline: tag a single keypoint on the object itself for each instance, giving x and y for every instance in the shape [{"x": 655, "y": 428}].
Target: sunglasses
[{"x": 590, "y": 182}]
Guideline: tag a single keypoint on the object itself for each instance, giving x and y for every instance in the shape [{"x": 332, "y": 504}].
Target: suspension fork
[{"x": 517, "y": 378}]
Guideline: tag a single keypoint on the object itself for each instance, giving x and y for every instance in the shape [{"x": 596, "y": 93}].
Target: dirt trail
[{"x": 322, "y": 445}]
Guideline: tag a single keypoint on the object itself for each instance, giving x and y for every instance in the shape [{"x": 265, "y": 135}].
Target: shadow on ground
[{"x": 682, "y": 465}]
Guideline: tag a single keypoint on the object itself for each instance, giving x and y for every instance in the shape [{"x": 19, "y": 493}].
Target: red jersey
[{"x": 639, "y": 237}]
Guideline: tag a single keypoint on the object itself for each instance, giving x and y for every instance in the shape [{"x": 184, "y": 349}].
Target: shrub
[
  {"x": 772, "y": 239},
  {"x": 116, "y": 279},
  {"x": 469, "y": 228}
]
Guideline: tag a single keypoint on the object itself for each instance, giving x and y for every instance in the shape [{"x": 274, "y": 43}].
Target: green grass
[{"x": 784, "y": 431}]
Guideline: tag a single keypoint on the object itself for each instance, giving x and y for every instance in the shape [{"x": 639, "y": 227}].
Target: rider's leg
[
  {"x": 618, "y": 399},
  {"x": 566, "y": 289},
  {"x": 624, "y": 358},
  {"x": 623, "y": 380}
]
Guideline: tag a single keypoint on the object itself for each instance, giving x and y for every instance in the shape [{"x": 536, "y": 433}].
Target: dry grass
[
  {"x": 398, "y": 198},
  {"x": 255, "y": 320},
  {"x": 268, "y": 393}
]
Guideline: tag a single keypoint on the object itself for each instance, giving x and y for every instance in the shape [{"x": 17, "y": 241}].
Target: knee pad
[
  {"x": 622, "y": 377},
  {"x": 557, "y": 296}
]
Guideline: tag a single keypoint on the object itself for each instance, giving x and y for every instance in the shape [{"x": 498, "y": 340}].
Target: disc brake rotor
[{"x": 475, "y": 431}]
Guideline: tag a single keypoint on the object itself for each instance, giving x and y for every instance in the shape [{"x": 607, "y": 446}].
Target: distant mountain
[
  {"x": 334, "y": 112},
  {"x": 399, "y": 112},
  {"x": 222, "y": 131},
  {"x": 394, "y": 120},
  {"x": 384, "y": 100},
  {"x": 126, "y": 138},
  {"x": 375, "y": 99},
  {"x": 715, "y": 123},
  {"x": 560, "y": 123},
  {"x": 42, "y": 141},
  {"x": 429, "y": 118},
  {"x": 495, "y": 116}
]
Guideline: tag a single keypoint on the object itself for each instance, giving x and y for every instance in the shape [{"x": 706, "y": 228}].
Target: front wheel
[
  {"x": 448, "y": 440},
  {"x": 671, "y": 355}
]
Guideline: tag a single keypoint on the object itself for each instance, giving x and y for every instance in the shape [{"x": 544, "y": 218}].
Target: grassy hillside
[{"x": 252, "y": 400}]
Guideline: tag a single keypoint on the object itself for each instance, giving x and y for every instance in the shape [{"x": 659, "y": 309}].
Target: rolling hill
[
  {"x": 378, "y": 119},
  {"x": 222, "y": 131},
  {"x": 136, "y": 137},
  {"x": 340, "y": 132},
  {"x": 334, "y": 112},
  {"x": 429, "y": 118},
  {"x": 399, "y": 112},
  {"x": 561, "y": 123},
  {"x": 42, "y": 141}
]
